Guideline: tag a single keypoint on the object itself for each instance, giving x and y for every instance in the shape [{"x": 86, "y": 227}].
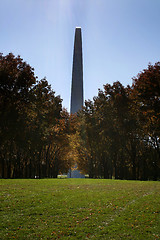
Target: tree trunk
[{"x": 3, "y": 165}]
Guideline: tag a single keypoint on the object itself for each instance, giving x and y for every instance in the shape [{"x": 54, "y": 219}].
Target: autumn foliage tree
[
  {"x": 121, "y": 128},
  {"x": 146, "y": 96},
  {"x": 116, "y": 135},
  {"x": 32, "y": 123}
]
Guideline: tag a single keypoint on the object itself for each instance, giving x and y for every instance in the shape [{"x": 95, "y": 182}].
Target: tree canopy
[
  {"x": 33, "y": 126},
  {"x": 115, "y": 135},
  {"x": 122, "y": 129}
]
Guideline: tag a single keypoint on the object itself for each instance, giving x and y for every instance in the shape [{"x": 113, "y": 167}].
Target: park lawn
[{"x": 79, "y": 209}]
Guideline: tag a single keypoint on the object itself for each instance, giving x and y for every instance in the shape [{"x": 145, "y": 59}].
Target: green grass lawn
[{"x": 79, "y": 209}]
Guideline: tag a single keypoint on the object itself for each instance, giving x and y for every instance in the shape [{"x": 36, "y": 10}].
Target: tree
[
  {"x": 33, "y": 125},
  {"x": 16, "y": 80},
  {"x": 146, "y": 97}
]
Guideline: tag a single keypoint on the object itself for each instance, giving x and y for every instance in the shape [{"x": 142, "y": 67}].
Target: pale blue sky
[{"x": 120, "y": 38}]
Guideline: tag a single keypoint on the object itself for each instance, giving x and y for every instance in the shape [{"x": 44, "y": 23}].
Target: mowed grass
[{"x": 79, "y": 209}]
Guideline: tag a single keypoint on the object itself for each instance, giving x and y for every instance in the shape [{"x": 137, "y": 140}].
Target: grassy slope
[{"x": 79, "y": 209}]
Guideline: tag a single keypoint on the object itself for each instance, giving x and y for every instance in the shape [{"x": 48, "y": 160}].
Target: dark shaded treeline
[
  {"x": 33, "y": 126},
  {"x": 121, "y": 129},
  {"x": 115, "y": 135}
]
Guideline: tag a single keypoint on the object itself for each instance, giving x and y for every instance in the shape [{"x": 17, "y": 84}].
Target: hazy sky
[{"x": 120, "y": 38}]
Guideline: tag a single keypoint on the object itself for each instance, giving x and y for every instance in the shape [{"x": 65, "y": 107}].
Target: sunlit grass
[{"x": 79, "y": 209}]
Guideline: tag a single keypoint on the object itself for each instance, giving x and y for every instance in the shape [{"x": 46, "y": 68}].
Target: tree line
[
  {"x": 33, "y": 126},
  {"x": 121, "y": 129},
  {"x": 117, "y": 134}
]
